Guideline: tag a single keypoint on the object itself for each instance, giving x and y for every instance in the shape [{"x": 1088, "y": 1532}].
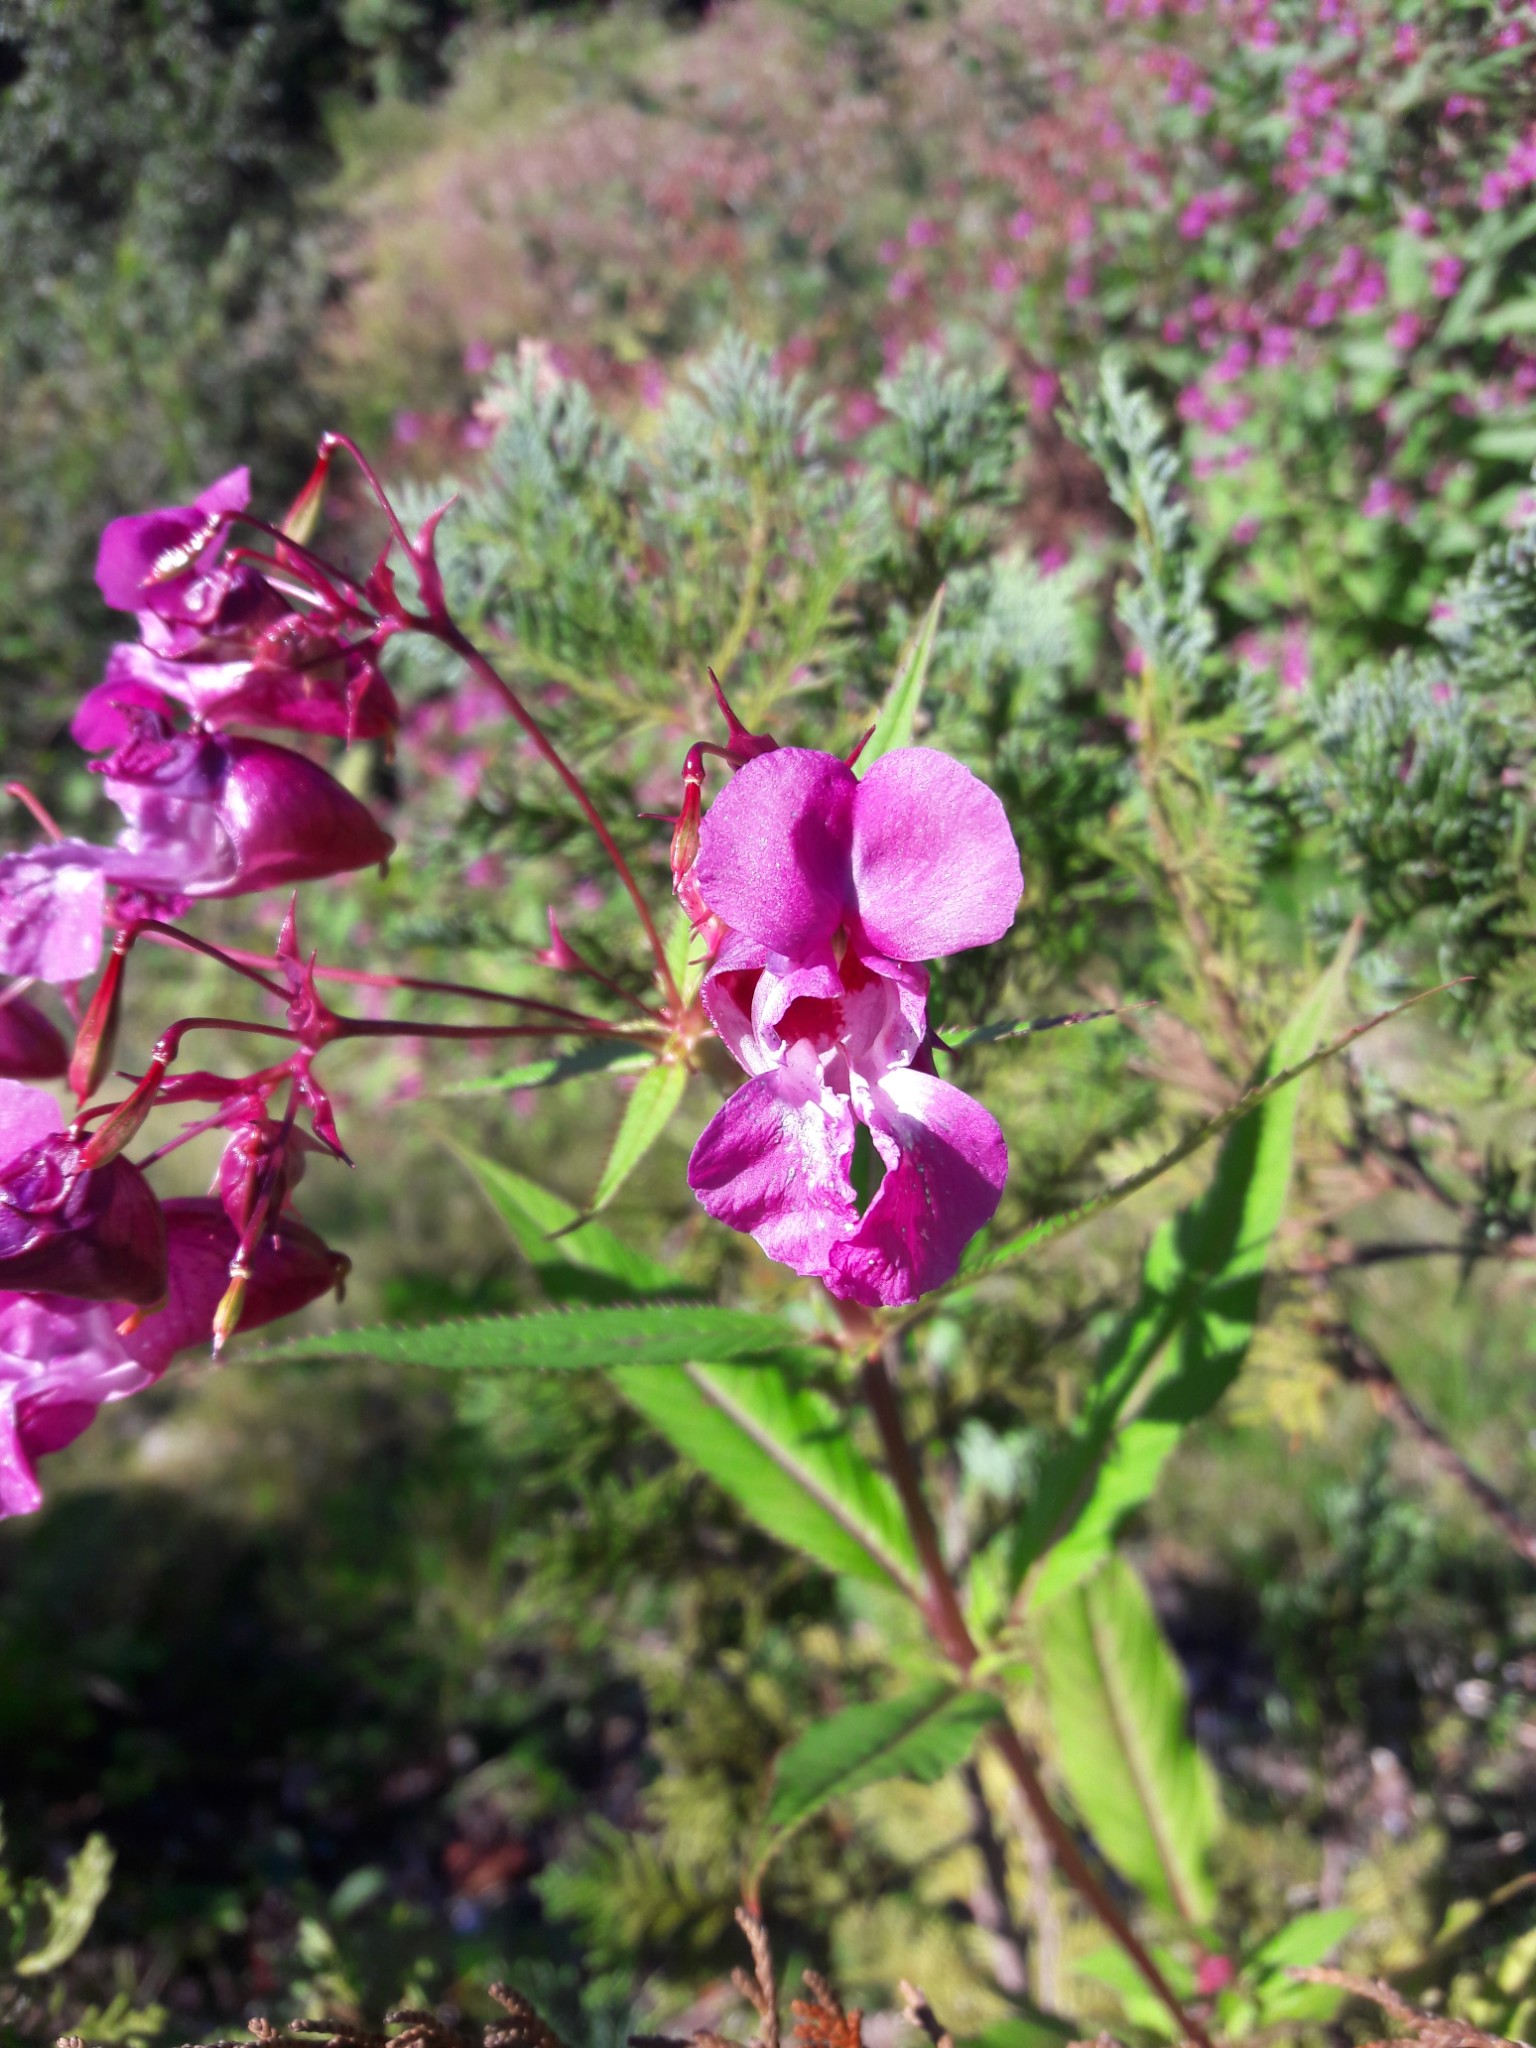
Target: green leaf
[
  {"x": 1141, "y": 2006},
  {"x": 687, "y": 956},
  {"x": 592, "y": 1264},
  {"x": 1305, "y": 1942},
  {"x": 596, "y": 1056},
  {"x": 995, "y": 1034},
  {"x": 70, "y": 1911},
  {"x": 1118, "y": 1710},
  {"x": 1033, "y": 2029},
  {"x": 898, "y": 714},
  {"x": 922, "y": 1735},
  {"x": 1200, "y": 1285},
  {"x": 989, "y": 1259},
  {"x": 782, "y": 1450},
  {"x": 646, "y": 1115},
  {"x": 570, "y": 1340}
]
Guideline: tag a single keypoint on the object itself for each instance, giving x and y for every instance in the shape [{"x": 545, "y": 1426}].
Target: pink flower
[
  {"x": 152, "y": 561},
  {"x": 1445, "y": 275},
  {"x": 833, "y": 889},
  {"x": 1405, "y": 331},
  {"x": 52, "y": 901},
  {"x": 61, "y": 1358}
]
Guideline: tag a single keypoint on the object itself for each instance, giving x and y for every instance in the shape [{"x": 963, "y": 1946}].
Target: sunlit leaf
[
  {"x": 783, "y": 1451},
  {"x": 570, "y": 1340},
  {"x": 898, "y": 714},
  {"x": 1118, "y": 1715},
  {"x": 922, "y": 1734},
  {"x": 646, "y": 1115},
  {"x": 1200, "y": 1288},
  {"x": 590, "y": 1264},
  {"x": 595, "y": 1056}
]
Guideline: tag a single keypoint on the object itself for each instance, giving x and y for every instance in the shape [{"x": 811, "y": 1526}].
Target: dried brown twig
[{"x": 1432, "y": 2030}]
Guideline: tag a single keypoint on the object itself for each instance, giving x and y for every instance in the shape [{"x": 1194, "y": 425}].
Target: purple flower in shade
[
  {"x": 833, "y": 889},
  {"x": 208, "y": 815},
  {"x": 154, "y": 561},
  {"x": 63, "y": 1359},
  {"x": 92, "y": 1232},
  {"x": 31, "y": 1048}
]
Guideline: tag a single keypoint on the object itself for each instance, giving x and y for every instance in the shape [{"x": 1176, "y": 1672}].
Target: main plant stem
[{"x": 946, "y": 1619}]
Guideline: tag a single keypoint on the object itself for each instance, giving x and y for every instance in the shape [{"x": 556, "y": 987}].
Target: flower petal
[
  {"x": 774, "y": 1162},
  {"x": 774, "y": 849},
  {"x": 52, "y": 900},
  {"x": 946, "y": 1163},
  {"x": 27, "y": 1116},
  {"x": 935, "y": 868}
]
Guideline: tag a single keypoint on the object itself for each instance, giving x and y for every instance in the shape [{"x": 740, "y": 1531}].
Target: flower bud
[
  {"x": 31, "y": 1049},
  {"x": 65, "y": 1228},
  {"x": 213, "y": 816},
  {"x": 288, "y": 1267},
  {"x": 96, "y": 1040}
]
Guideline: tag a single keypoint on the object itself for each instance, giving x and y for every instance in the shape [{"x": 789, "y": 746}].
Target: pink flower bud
[
  {"x": 214, "y": 816},
  {"x": 31, "y": 1049},
  {"x": 65, "y": 1228}
]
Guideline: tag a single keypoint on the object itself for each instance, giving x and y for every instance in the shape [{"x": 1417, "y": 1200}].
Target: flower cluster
[{"x": 102, "y": 1282}]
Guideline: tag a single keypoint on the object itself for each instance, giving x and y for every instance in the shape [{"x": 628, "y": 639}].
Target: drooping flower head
[
  {"x": 834, "y": 889},
  {"x": 96, "y": 1233},
  {"x": 61, "y": 1359}
]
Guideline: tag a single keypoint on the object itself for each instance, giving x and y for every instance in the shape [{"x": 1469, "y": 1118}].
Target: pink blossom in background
[
  {"x": 1246, "y": 531},
  {"x": 1044, "y": 391},
  {"x": 1405, "y": 332},
  {"x": 1295, "y": 658},
  {"x": 1054, "y": 556},
  {"x": 1419, "y": 220},
  {"x": 890, "y": 251},
  {"x": 407, "y": 428},
  {"x": 653, "y": 385},
  {"x": 1003, "y": 276},
  {"x": 1384, "y": 499},
  {"x": 478, "y": 358},
  {"x": 1445, "y": 275},
  {"x": 923, "y": 233},
  {"x": 861, "y": 411},
  {"x": 476, "y": 433},
  {"x": 1022, "y": 225}
]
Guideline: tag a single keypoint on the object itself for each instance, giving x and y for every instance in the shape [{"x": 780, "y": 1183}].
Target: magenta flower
[
  {"x": 62, "y": 1359},
  {"x": 52, "y": 900},
  {"x": 92, "y": 1232},
  {"x": 833, "y": 889},
  {"x": 31, "y": 1047}
]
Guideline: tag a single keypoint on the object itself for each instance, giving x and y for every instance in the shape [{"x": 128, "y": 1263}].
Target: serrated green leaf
[
  {"x": 898, "y": 714},
  {"x": 596, "y": 1056},
  {"x": 590, "y": 1264},
  {"x": 646, "y": 1115},
  {"x": 782, "y": 1450},
  {"x": 922, "y": 1734},
  {"x": 72, "y": 1909},
  {"x": 687, "y": 956},
  {"x": 1118, "y": 1711},
  {"x": 1200, "y": 1288},
  {"x": 569, "y": 1340}
]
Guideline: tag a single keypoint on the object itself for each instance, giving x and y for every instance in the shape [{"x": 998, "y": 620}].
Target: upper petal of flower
[
  {"x": 52, "y": 900},
  {"x": 774, "y": 849},
  {"x": 134, "y": 548},
  {"x": 946, "y": 1161},
  {"x": 775, "y": 1162},
  {"x": 935, "y": 868}
]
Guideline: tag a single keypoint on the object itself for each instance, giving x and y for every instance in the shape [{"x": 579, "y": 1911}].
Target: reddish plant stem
[
  {"x": 24, "y": 796},
  {"x": 170, "y": 934},
  {"x": 383, "y": 1027},
  {"x": 946, "y": 1619},
  {"x": 448, "y": 633},
  {"x": 358, "y": 977}
]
